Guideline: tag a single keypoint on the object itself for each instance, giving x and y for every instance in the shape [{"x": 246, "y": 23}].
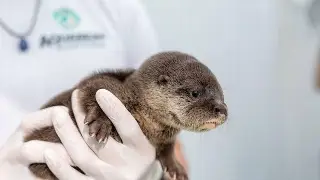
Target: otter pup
[{"x": 170, "y": 92}]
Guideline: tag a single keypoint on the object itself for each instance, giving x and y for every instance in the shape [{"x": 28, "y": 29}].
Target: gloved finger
[
  {"x": 32, "y": 152},
  {"x": 81, "y": 154},
  {"x": 124, "y": 122},
  {"x": 105, "y": 153},
  {"x": 77, "y": 110},
  {"x": 125, "y": 156},
  {"x": 84, "y": 130},
  {"x": 38, "y": 119},
  {"x": 60, "y": 168},
  {"x": 123, "y": 152}
]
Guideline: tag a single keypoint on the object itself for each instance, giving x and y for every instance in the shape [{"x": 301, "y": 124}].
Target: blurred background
[{"x": 265, "y": 54}]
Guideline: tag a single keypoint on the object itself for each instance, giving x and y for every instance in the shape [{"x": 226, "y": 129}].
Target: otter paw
[
  {"x": 176, "y": 172},
  {"x": 99, "y": 124}
]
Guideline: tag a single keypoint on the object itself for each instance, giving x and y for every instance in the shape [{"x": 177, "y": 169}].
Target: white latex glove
[
  {"x": 132, "y": 160},
  {"x": 135, "y": 159},
  {"x": 15, "y": 156}
]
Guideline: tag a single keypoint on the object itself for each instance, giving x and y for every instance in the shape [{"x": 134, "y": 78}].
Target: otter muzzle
[{"x": 213, "y": 123}]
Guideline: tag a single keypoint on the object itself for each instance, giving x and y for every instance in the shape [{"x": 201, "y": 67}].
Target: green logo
[{"x": 66, "y": 18}]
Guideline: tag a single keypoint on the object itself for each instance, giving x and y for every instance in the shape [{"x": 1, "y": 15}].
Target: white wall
[
  {"x": 238, "y": 41},
  {"x": 298, "y": 50}
]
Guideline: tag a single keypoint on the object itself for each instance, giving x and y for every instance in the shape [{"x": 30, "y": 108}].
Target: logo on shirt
[
  {"x": 66, "y": 18},
  {"x": 67, "y": 41},
  {"x": 70, "y": 20}
]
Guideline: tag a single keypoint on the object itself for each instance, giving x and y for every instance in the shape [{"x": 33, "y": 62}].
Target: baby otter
[{"x": 170, "y": 92}]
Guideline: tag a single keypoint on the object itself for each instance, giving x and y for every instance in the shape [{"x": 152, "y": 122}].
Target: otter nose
[{"x": 220, "y": 108}]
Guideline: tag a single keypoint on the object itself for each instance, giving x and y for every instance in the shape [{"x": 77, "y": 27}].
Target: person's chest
[{"x": 69, "y": 41}]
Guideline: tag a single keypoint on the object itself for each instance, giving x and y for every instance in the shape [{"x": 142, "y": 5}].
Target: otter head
[{"x": 183, "y": 92}]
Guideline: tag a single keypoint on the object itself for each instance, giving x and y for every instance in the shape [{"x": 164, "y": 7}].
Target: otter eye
[{"x": 195, "y": 94}]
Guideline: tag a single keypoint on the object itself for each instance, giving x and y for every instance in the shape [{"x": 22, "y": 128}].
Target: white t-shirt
[{"x": 71, "y": 38}]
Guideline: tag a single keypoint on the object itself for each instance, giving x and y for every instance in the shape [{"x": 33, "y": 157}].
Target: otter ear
[{"x": 163, "y": 80}]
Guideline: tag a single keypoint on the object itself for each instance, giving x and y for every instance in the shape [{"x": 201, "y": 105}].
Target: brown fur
[{"x": 161, "y": 95}]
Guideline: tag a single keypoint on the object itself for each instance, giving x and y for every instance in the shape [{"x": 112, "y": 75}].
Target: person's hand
[
  {"x": 15, "y": 155},
  {"x": 134, "y": 159}
]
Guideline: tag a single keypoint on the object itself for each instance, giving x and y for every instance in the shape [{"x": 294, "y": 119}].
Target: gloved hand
[
  {"x": 132, "y": 160},
  {"x": 15, "y": 156}
]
